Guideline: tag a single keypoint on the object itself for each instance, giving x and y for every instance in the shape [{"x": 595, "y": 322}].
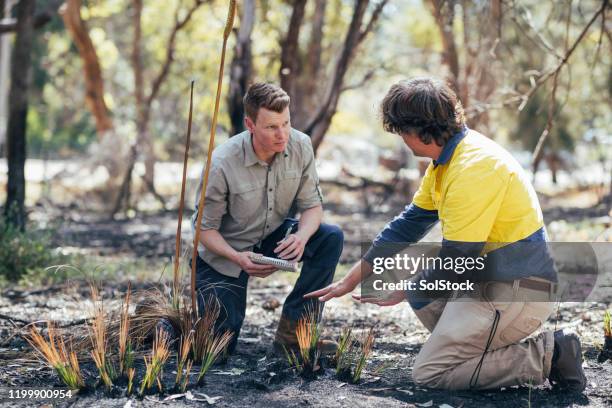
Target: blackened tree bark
[
  {"x": 18, "y": 110},
  {"x": 241, "y": 68}
]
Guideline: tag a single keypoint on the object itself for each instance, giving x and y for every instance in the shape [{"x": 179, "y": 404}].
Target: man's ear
[{"x": 249, "y": 124}]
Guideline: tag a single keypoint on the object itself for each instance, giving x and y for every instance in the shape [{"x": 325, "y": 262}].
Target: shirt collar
[
  {"x": 250, "y": 158},
  {"x": 450, "y": 146}
]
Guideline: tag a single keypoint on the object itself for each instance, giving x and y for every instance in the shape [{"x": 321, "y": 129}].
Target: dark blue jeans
[{"x": 320, "y": 258}]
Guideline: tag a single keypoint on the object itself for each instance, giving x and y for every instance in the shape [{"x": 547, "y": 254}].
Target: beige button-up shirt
[{"x": 247, "y": 199}]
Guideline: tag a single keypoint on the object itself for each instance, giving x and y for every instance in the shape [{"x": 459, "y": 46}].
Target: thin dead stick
[
  {"x": 211, "y": 144},
  {"x": 177, "y": 252}
]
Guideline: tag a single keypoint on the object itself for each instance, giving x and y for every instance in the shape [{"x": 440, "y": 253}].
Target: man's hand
[
  {"x": 291, "y": 248},
  {"x": 390, "y": 298},
  {"x": 255, "y": 270},
  {"x": 337, "y": 289}
]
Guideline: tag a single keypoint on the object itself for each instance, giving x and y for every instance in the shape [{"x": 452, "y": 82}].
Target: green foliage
[{"x": 25, "y": 253}]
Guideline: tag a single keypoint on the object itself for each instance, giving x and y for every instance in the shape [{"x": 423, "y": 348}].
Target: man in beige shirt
[{"x": 257, "y": 179}]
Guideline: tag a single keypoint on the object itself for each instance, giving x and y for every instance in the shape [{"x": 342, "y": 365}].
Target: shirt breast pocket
[
  {"x": 246, "y": 202},
  {"x": 286, "y": 190}
]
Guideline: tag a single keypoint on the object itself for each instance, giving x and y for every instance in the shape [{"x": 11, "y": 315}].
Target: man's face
[
  {"x": 270, "y": 130},
  {"x": 415, "y": 144}
]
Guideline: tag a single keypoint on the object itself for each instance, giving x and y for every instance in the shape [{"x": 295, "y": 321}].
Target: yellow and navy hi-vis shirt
[
  {"x": 485, "y": 204},
  {"x": 481, "y": 193}
]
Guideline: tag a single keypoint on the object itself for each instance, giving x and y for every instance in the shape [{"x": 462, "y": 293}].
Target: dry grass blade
[
  {"x": 182, "y": 358},
  {"x": 54, "y": 352},
  {"x": 212, "y": 351},
  {"x": 204, "y": 328},
  {"x": 176, "y": 292},
  {"x": 154, "y": 363},
  {"x": 154, "y": 307},
  {"x": 99, "y": 340},
  {"x": 126, "y": 356},
  {"x": 606, "y": 324},
  {"x": 366, "y": 350}
]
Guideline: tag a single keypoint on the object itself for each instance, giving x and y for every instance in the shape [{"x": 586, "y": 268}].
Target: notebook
[{"x": 278, "y": 263}]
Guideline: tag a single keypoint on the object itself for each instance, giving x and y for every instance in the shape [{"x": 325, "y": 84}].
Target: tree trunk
[
  {"x": 94, "y": 84},
  {"x": 321, "y": 121},
  {"x": 5, "y": 72},
  {"x": 18, "y": 111},
  {"x": 241, "y": 68},
  {"x": 290, "y": 54},
  {"x": 144, "y": 103},
  {"x": 444, "y": 14},
  {"x": 309, "y": 95}
]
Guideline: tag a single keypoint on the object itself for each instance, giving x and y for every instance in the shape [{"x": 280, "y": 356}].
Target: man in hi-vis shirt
[
  {"x": 485, "y": 205},
  {"x": 256, "y": 178}
]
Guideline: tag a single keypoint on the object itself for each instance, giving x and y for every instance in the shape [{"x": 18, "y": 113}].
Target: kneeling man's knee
[{"x": 426, "y": 374}]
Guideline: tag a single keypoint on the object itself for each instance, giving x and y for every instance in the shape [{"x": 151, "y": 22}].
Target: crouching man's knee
[
  {"x": 426, "y": 374},
  {"x": 335, "y": 236}
]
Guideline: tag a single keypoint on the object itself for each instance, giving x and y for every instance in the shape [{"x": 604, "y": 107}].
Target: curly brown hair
[{"x": 425, "y": 106}]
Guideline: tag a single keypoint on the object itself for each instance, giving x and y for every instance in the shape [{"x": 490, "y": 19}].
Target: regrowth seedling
[
  {"x": 154, "y": 363},
  {"x": 98, "y": 335},
  {"x": 54, "y": 352},
  {"x": 183, "y": 361},
  {"x": 352, "y": 354},
  {"x": 126, "y": 354},
  {"x": 212, "y": 350},
  {"x": 364, "y": 353},
  {"x": 208, "y": 343},
  {"x": 342, "y": 358},
  {"x": 308, "y": 334}
]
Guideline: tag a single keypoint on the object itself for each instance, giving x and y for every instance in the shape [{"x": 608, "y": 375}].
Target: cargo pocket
[
  {"x": 286, "y": 190},
  {"x": 528, "y": 321}
]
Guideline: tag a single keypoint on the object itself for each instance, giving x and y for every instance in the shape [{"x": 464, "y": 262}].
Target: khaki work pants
[{"x": 460, "y": 329}]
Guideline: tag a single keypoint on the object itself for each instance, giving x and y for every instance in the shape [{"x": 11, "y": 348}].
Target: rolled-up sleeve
[
  {"x": 215, "y": 204},
  {"x": 309, "y": 193}
]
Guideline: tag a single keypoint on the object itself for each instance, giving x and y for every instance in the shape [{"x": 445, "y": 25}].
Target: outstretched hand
[
  {"x": 334, "y": 290},
  {"x": 391, "y": 299}
]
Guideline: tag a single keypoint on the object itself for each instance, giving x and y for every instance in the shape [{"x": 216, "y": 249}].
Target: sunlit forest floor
[{"x": 137, "y": 247}]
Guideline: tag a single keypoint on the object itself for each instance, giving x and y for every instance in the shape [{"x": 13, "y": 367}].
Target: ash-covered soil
[{"x": 255, "y": 377}]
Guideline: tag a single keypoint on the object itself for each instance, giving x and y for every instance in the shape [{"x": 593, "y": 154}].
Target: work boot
[
  {"x": 566, "y": 369},
  {"x": 286, "y": 337}
]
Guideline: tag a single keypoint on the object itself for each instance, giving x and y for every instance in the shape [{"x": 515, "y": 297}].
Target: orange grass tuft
[{"x": 54, "y": 352}]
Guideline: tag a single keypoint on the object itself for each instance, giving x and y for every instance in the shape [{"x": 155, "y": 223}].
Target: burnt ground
[{"x": 254, "y": 377}]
